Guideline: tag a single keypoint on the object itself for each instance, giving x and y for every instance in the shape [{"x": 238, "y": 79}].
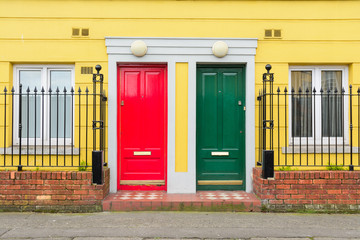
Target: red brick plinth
[
  {"x": 318, "y": 190},
  {"x": 58, "y": 191}
]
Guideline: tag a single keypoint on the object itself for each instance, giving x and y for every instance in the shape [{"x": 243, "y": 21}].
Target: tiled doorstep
[{"x": 200, "y": 201}]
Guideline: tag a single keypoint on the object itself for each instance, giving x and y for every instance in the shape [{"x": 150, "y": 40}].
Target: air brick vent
[
  {"x": 277, "y": 33},
  {"x": 268, "y": 33},
  {"x": 273, "y": 33},
  {"x": 85, "y": 32},
  {"x": 76, "y": 32},
  {"x": 86, "y": 70},
  {"x": 80, "y": 32}
]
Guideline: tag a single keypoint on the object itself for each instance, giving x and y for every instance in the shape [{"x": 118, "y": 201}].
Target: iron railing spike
[
  {"x": 87, "y": 90},
  {"x": 35, "y": 89},
  {"x": 50, "y": 90},
  {"x": 42, "y": 89},
  {"x": 5, "y": 89},
  {"x": 307, "y": 90},
  {"x": 57, "y": 89},
  {"x": 278, "y": 90},
  {"x": 64, "y": 89},
  {"x": 285, "y": 90},
  {"x": 358, "y": 90},
  {"x": 343, "y": 89},
  {"x": 321, "y": 90},
  {"x": 72, "y": 90},
  {"x": 314, "y": 90},
  {"x": 12, "y": 89},
  {"x": 28, "y": 89},
  {"x": 300, "y": 90},
  {"x": 79, "y": 90},
  {"x": 292, "y": 90}
]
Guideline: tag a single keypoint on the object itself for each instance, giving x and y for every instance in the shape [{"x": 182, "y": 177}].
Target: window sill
[
  {"x": 317, "y": 149},
  {"x": 47, "y": 150}
]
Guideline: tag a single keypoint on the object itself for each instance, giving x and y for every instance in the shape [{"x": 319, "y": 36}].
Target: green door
[{"x": 220, "y": 128}]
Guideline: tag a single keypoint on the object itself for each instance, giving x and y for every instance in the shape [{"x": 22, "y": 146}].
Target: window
[
  {"x": 43, "y": 117},
  {"x": 317, "y": 116}
]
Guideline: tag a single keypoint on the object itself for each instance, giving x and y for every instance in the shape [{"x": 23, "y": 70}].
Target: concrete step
[{"x": 234, "y": 201}]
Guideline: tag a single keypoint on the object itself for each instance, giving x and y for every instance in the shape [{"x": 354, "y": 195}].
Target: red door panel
[{"x": 142, "y": 127}]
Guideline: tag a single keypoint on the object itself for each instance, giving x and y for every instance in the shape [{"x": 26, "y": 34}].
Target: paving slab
[
  {"x": 280, "y": 239},
  {"x": 39, "y": 238},
  {"x": 317, "y": 238},
  {"x": 107, "y": 238},
  {"x": 4, "y": 230}
]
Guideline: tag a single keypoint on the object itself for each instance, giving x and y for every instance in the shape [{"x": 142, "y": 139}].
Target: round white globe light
[
  {"x": 138, "y": 48},
  {"x": 220, "y": 49}
]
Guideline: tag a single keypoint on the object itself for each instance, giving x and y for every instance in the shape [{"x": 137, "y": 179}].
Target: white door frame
[{"x": 171, "y": 51}]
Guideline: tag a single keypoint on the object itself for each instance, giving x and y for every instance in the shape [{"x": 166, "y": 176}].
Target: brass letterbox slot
[
  {"x": 219, "y": 153},
  {"x": 142, "y": 153}
]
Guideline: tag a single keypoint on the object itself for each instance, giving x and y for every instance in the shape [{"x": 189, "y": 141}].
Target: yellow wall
[{"x": 313, "y": 32}]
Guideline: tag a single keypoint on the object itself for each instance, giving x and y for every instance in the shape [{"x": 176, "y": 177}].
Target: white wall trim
[{"x": 170, "y": 51}]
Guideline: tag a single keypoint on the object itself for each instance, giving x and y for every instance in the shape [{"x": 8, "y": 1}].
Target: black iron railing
[
  {"x": 308, "y": 127},
  {"x": 52, "y": 127}
]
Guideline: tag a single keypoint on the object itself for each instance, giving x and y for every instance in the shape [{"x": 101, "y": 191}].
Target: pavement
[{"x": 179, "y": 225}]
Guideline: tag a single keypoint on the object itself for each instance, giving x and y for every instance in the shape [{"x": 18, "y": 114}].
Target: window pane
[
  {"x": 30, "y": 79},
  {"x": 331, "y": 104},
  {"x": 301, "y": 104},
  {"x": 60, "y": 107}
]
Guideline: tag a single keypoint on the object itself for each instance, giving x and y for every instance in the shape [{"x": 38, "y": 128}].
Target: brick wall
[
  {"x": 319, "y": 190},
  {"x": 51, "y": 191}
]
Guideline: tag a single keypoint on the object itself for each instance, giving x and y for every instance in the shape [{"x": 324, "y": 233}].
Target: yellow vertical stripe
[{"x": 181, "y": 118}]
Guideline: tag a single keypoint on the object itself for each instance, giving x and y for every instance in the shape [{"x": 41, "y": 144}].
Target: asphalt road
[{"x": 179, "y": 225}]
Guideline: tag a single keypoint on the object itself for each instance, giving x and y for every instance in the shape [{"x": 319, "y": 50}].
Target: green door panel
[
  {"x": 220, "y": 126},
  {"x": 209, "y": 110}
]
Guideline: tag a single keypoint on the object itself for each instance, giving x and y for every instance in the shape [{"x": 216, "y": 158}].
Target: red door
[{"x": 142, "y": 127}]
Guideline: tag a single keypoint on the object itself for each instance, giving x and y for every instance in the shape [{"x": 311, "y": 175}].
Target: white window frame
[
  {"x": 316, "y": 82},
  {"x": 45, "y": 77}
]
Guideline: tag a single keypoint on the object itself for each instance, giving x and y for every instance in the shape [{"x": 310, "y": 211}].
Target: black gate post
[
  {"x": 20, "y": 167},
  {"x": 98, "y": 155},
  {"x": 268, "y": 124}
]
